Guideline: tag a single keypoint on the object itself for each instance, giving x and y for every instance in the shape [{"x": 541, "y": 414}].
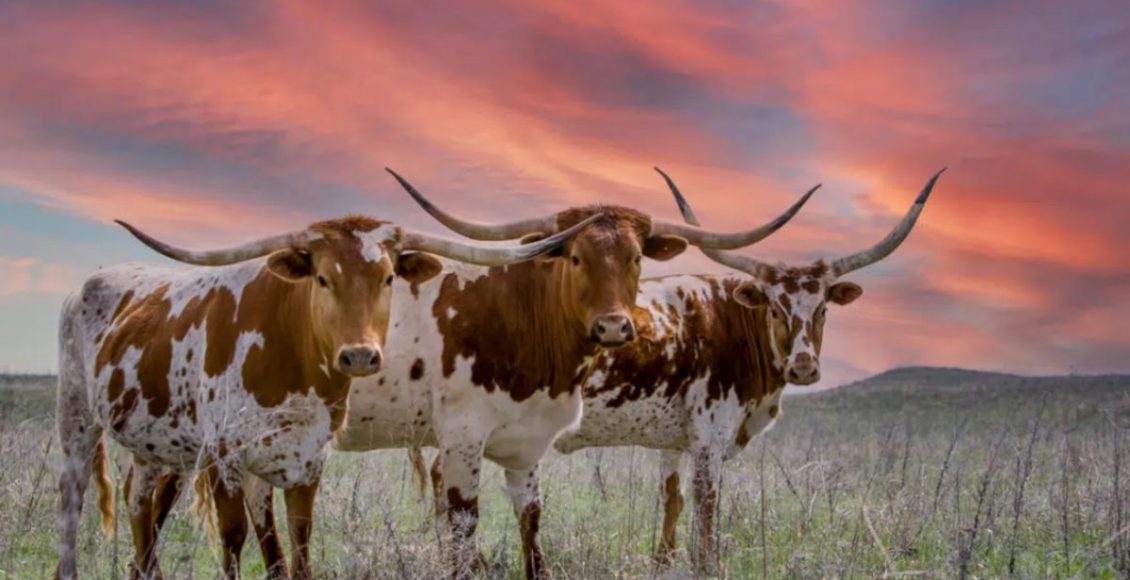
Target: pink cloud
[
  {"x": 22, "y": 275},
  {"x": 209, "y": 128}
]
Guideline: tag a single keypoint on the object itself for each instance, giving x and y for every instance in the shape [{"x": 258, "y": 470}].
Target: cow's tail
[
  {"x": 203, "y": 508},
  {"x": 419, "y": 471},
  {"x": 104, "y": 487}
]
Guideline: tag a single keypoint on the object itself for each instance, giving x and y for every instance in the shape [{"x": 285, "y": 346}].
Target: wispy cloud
[{"x": 209, "y": 123}]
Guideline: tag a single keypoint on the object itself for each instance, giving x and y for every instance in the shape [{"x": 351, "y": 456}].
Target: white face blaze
[
  {"x": 796, "y": 300},
  {"x": 375, "y": 242}
]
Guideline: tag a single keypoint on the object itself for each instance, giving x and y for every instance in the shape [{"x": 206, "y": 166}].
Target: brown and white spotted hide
[
  {"x": 238, "y": 369},
  {"x": 705, "y": 377},
  {"x": 486, "y": 362},
  {"x": 702, "y": 374}
]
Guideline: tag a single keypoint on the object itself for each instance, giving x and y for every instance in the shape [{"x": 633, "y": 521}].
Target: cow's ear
[
  {"x": 291, "y": 265},
  {"x": 844, "y": 293},
  {"x": 750, "y": 295},
  {"x": 417, "y": 267},
  {"x": 663, "y": 247},
  {"x": 557, "y": 252}
]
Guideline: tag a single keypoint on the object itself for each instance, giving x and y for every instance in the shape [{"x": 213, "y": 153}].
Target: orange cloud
[{"x": 213, "y": 127}]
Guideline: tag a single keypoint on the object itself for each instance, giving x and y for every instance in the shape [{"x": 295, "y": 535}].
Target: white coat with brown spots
[{"x": 239, "y": 369}]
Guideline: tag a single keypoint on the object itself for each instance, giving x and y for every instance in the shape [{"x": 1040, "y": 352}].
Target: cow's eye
[
  {"x": 322, "y": 281},
  {"x": 388, "y": 281},
  {"x": 576, "y": 261},
  {"x": 639, "y": 259}
]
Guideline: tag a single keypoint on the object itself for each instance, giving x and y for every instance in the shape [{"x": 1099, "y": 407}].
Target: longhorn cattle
[
  {"x": 488, "y": 362},
  {"x": 707, "y": 373},
  {"x": 240, "y": 368}
]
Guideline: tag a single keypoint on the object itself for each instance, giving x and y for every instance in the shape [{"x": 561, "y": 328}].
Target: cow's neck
[
  {"x": 555, "y": 343},
  {"x": 511, "y": 325},
  {"x": 743, "y": 356},
  {"x": 312, "y": 362}
]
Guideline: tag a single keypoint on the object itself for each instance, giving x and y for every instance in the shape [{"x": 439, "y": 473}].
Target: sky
[{"x": 209, "y": 123}]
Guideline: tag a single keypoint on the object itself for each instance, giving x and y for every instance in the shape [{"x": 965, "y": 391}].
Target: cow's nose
[
  {"x": 359, "y": 360},
  {"x": 612, "y": 330},
  {"x": 804, "y": 370}
]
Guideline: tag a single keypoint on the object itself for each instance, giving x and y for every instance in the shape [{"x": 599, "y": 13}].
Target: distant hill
[
  {"x": 954, "y": 378},
  {"x": 11, "y": 380},
  {"x": 932, "y": 397}
]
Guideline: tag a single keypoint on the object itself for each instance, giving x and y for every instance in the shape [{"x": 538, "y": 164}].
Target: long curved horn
[
  {"x": 893, "y": 240},
  {"x": 476, "y": 230},
  {"x": 716, "y": 241},
  {"x": 224, "y": 256},
  {"x": 751, "y": 266},
  {"x": 485, "y": 255}
]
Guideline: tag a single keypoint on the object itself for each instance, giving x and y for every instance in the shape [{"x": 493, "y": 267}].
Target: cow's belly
[
  {"x": 389, "y": 410},
  {"x": 657, "y": 422},
  {"x": 523, "y": 431},
  {"x": 156, "y": 430},
  {"x": 289, "y": 446},
  {"x": 284, "y": 445},
  {"x": 166, "y": 440}
]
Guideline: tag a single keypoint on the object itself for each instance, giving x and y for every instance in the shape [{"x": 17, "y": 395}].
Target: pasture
[{"x": 916, "y": 472}]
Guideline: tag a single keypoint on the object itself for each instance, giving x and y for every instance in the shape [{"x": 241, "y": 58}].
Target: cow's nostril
[
  {"x": 343, "y": 360},
  {"x": 374, "y": 360},
  {"x": 600, "y": 328},
  {"x": 626, "y": 329}
]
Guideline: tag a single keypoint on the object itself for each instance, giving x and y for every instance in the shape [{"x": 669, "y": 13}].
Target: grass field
[{"x": 916, "y": 472}]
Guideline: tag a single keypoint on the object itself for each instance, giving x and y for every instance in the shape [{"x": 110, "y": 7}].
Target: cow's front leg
[
  {"x": 260, "y": 499},
  {"x": 707, "y": 479},
  {"x": 522, "y": 486},
  {"x": 140, "y": 486},
  {"x": 671, "y": 493},
  {"x": 300, "y": 519},
  {"x": 460, "y": 466}
]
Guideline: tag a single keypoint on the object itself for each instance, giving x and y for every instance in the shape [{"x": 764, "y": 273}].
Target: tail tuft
[
  {"x": 203, "y": 508},
  {"x": 104, "y": 486}
]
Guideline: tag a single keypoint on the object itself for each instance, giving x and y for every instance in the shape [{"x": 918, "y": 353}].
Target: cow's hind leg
[
  {"x": 671, "y": 493},
  {"x": 230, "y": 518},
  {"x": 524, "y": 494},
  {"x": 143, "y": 518},
  {"x": 300, "y": 518},
  {"x": 79, "y": 437},
  {"x": 78, "y": 445},
  {"x": 438, "y": 490},
  {"x": 165, "y": 497},
  {"x": 260, "y": 499}
]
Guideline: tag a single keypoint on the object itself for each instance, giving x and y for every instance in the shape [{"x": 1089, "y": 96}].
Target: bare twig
[{"x": 1023, "y": 470}]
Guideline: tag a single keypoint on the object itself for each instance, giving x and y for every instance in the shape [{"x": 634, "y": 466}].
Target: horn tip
[
  {"x": 922, "y": 197},
  {"x": 128, "y": 226}
]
